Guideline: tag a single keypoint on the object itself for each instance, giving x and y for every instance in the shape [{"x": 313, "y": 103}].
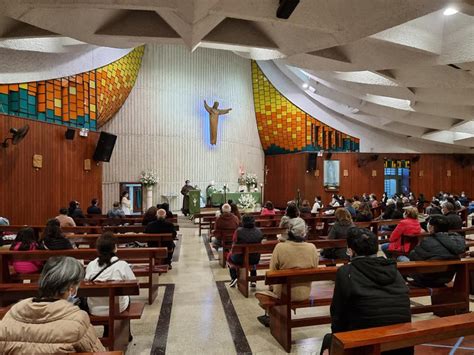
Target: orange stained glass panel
[
  {"x": 42, "y": 107},
  {"x": 4, "y": 89},
  {"x": 57, "y": 111},
  {"x": 13, "y": 87}
]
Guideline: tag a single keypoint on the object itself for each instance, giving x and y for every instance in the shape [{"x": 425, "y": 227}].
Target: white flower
[
  {"x": 148, "y": 178},
  {"x": 246, "y": 201},
  {"x": 250, "y": 179}
]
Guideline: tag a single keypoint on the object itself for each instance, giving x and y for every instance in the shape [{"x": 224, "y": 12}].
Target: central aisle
[{"x": 198, "y": 323}]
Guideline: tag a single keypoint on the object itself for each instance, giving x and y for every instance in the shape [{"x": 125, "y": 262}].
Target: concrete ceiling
[{"x": 399, "y": 65}]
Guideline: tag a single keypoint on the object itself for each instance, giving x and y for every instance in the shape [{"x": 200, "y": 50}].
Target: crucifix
[{"x": 214, "y": 113}]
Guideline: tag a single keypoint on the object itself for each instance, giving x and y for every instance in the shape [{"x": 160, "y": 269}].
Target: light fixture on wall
[
  {"x": 305, "y": 86},
  {"x": 84, "y": 132},
  {"x": 449, "y": 11}
]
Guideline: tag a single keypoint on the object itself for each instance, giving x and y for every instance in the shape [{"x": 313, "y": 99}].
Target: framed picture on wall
[{"x": 331, "y": 174}]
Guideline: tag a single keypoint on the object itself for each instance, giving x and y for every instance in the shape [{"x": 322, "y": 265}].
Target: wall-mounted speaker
[
  {"x": 415, "y": 159},
  {"x": 374, "y": 157},
  {"x": 70, "y": 134},
  {"x": 105, "y": 147},
  {"x": 311, "y": 162},
  {"x": 328, "y": 156}
]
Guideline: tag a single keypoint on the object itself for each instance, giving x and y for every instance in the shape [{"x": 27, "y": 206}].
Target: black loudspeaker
[
  {"x": 374, "y": 157},
  {"x": 286, "y": 8},
  {"x": 70, "y": 134},
  {"x": 105, "y": 147},
  {"x": 311, "y": 162},
  {"x": 415, "y": 159},
  {"x": 328, "y": 156}
]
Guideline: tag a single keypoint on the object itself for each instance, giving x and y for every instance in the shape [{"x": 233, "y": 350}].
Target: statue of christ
[{"x": 214, "y": 113}]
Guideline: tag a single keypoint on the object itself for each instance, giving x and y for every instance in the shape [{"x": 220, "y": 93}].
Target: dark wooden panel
[
  {"x": 30, "y": 196},
  {"x": 288, "y": 172}
]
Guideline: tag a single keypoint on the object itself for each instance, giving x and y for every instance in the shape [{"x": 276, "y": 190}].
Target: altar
[{"x": 217, "y": 198}]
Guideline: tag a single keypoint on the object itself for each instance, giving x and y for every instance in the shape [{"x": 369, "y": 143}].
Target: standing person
[
  {"x": 64, "y": 219},
  {"x": 161, "y": 225},
  {"x": 369, "y": 291},
  {"x": 53, "y": 238},
  {"x": 185, "y": 192},
  {"x": 247, "y": 234},
  {"x": 94, "y": 207},
  {"x": 125, "y": 203},
  {"x": 26, "y": 240},
  {"x": 49, "y": 323},
  {"x": 107, "y": 267}
]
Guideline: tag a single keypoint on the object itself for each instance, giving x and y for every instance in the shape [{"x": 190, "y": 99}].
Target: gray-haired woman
[{"x": 50, "y": 323}]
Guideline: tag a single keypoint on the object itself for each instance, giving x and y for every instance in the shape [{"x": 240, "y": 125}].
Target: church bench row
[
  {"x": 119, "y": 323},
  {"x": 106, "y": 221},
  {"x": 244, "y": 277},
  {"x": 142, "y": 260},
  {"x": 444, "y": 300},
  {"x": 373, "y": 341},
  {"x": 81, "y": 229}
]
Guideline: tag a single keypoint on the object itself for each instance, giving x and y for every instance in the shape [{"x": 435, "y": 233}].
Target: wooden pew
[
  {"x": 244, "y": 277},
  {"x": 373, "y": 341},
  {"x": 143, "y": 263},
  {"x": 444, "y": 300},
  {"x": 103, "y": 353},
  {"x": 119, "y": 323},
  {"x": 204, "y": 220}
]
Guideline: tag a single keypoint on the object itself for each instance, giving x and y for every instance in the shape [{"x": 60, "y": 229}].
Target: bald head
[
  {"x": 161, "y": 214},
  {"x": 226, "y": 208}
]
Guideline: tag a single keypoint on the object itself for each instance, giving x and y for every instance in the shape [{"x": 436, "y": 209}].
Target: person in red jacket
[{"x": 399, "y": 245}]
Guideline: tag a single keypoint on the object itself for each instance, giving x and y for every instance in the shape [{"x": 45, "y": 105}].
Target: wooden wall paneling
[
  {"x": 281, "y": 186},
  {"x": 30, "y": 196}
]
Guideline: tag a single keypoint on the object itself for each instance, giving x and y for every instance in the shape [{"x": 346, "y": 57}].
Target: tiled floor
[{"x": 203, "y": 315}]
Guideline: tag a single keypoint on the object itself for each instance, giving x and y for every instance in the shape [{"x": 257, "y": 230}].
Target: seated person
[
  {"x": 226, "y": 221},
  {"x": 348, "y": 206},
  {"x": 440, "y": 245},
  {"x": 107, "y": 267},
  {"x": 149, "y": 216},
  {"x": 363, "y": 213},
  {"x": 64, "y": 219},
  {"x": 408, "y": 225},
  {"x": 369, "y": 291},
  {"x": 247, "y": 234},
  {"x": 53, "y": 238},
  {"x": 317, "y": 205},
  {"x": 434, "y": 208},
  {"x": 234, "y": 209},
  {"x": 305, "y": 207},
  {"x": 268, "y": 210},
  {"x": 455, "y": 222},
  {"x": 166, "y": 207},
  {"x": 116, "y": 211},
  {"x": 338, "y": 231},
  {"x": 294, "y": 253},
  {"x": 49, "y": 323},
  {"x": 26, "y": 240},
  {"x": 94, "y": 207},
  {"x": 291, "y": 214},
  {"x": 74, "y": 210},
  {"x": 160, "y": 226}
]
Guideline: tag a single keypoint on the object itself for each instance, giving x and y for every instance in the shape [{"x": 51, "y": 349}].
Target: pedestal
[{"x": 149, "y": 196}]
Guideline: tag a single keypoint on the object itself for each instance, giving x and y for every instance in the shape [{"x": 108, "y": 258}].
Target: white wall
[
  {"x": 163, "y": 125},
  {"x": 371, "y": 139}
]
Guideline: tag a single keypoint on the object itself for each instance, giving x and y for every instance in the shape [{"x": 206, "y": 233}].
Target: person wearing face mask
[
  {"x": 440, "y": 245},
  {"x": 49, "y": 324},
  {"x": 369, "y": 291}
]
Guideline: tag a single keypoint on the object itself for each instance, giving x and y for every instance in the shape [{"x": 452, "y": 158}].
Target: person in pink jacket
[
  {"x": 408, "y": 226},
  {"x": 268, "y": 209},
  {"x": 26, "y": 240}
]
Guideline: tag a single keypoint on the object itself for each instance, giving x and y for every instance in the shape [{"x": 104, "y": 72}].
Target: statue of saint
[{"x": 214, "y": 113}]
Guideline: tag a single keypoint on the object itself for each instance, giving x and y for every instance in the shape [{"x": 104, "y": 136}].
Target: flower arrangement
[
  {"x": 148, "y": 178},
  {"x": 250, "y": 179},
  {"x": 246, "y": 201}
]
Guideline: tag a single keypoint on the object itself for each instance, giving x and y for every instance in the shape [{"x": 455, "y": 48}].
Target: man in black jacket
[
  {"x": 369, "y": 292},
  {"x": 441, "y": 245},
  {"x": 161, "y": 225},
  {"x": 455, "y": 222}
]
